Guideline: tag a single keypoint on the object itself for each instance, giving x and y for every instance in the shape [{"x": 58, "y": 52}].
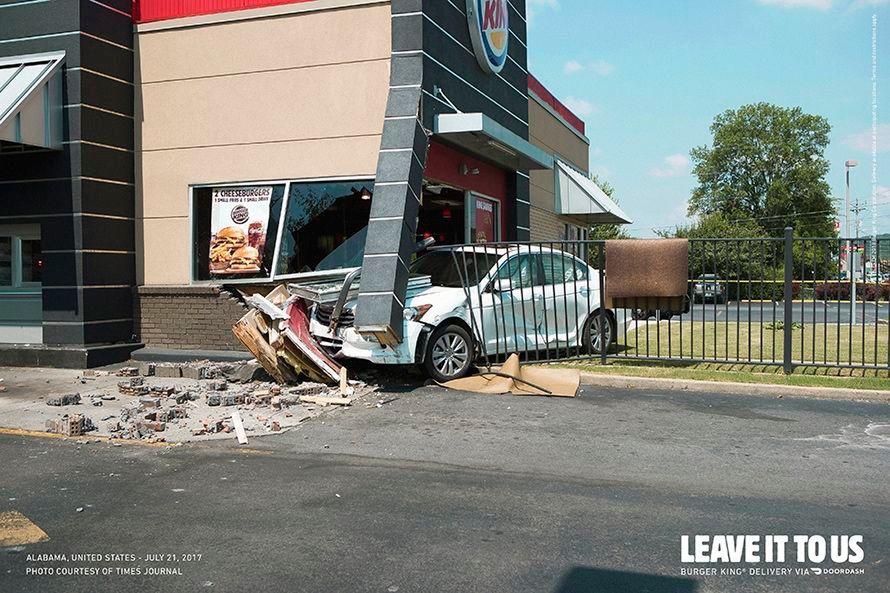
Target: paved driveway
[{"x": 438, "y": 491}]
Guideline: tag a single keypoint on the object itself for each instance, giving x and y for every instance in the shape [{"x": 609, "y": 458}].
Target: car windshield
[{"x": 440, "y": 267}]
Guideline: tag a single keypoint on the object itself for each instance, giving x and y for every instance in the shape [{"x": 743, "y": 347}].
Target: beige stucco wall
[
  {"x": 292, "y": 96},
  {"x": 550, "y": 133}
]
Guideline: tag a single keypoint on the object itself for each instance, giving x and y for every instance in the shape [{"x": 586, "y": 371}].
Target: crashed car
[{"x": 466, "y": 302}]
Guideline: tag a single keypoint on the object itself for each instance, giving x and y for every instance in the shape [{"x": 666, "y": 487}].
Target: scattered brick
[{"x": 68, "y": 399}]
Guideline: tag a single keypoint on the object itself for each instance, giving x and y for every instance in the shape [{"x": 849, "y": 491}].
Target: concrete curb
[
  {"x": 22, "y": 432},
  {"x": 761, "y": 389}
]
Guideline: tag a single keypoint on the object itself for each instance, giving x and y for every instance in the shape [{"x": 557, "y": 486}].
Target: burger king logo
[
  {"x": 490, "y": 31},
  {"x": 240, "y": 214}
]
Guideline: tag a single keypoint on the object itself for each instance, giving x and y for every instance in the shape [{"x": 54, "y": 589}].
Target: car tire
[
  {"x": 449, "y": 353},
  {"x": 591, "y": 331}
]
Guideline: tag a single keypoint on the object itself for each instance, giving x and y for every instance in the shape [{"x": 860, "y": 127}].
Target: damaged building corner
[{"x": 392, "y": 228}]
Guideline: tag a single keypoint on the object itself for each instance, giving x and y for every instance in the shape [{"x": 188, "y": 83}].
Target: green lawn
[
  {"x": 733, "y": 342},
  {"x": 738, "y": 373}
]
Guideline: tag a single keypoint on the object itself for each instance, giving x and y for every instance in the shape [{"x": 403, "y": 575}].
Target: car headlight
[{"x": 416, "y": 313}]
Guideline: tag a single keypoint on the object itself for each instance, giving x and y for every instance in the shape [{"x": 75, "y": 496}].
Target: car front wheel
[
  {"x": 599, "y": 335},
  {"x": 449, "y": 353}
]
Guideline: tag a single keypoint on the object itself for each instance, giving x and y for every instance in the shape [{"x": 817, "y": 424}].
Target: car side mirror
[{"x": 502, "y": 285}]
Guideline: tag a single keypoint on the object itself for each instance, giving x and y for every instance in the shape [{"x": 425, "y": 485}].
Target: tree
[
  {"x": 606, "y": 232},
  {"x": 767, "y": 164}
]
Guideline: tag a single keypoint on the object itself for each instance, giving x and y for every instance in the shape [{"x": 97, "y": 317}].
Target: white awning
[
  {"x": 576, "y": 195},
  {"x": 31, "y": 101},
  {"x": 479, "y": 134}
]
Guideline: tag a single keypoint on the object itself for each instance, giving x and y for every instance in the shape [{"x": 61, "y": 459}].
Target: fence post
[
  {"x": 604, "y": 347},
  {"x": 787, "y": 332}
]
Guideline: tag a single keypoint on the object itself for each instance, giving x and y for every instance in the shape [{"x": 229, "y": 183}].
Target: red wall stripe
[
  {"x": 443, "y": 165},
  {"x": 145, "y": 11},
  {"x": 535, "y": 86}
]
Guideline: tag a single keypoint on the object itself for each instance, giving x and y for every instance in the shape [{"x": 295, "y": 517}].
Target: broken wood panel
[
  {"x": 248, "y": 333},
  {"x": 326, "y": 401},
  {"x": 297, "y": 332},
  {"x": 296, "y": 359}
]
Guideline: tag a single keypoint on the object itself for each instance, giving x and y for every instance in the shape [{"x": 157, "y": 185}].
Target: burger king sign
[{"x": 490, "y": 31}]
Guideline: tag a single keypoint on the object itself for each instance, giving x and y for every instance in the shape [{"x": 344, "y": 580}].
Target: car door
[
  {"x": 568, "y": 296},
  {"x": 511, "y": 312}
]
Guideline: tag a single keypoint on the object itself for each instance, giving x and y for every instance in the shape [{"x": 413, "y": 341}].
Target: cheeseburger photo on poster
[{"x": 239, "y": 219}]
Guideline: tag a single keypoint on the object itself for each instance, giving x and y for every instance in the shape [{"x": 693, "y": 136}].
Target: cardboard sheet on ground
[{"x": 518, "y": 380}]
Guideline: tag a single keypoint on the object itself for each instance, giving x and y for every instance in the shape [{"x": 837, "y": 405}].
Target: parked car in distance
[
  {"x": 484, "y": 300},
  {"x": 709, "y": 287}
]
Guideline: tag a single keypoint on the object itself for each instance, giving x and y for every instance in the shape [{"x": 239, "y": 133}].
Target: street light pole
[{"x": 851, "y": 261}]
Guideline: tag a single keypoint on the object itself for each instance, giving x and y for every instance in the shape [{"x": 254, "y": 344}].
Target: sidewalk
[
  {"x": 726, "y": 387},
  {"x": 163, "y": 406}
]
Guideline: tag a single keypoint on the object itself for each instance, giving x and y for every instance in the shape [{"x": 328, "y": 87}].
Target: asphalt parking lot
[{"x": 443, "y": 491}]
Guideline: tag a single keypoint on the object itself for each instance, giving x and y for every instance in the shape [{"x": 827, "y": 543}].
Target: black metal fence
[{"x": 789, "y": 302}]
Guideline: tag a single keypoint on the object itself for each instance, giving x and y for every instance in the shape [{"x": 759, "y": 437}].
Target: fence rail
[{"x": 789, "y": 302}]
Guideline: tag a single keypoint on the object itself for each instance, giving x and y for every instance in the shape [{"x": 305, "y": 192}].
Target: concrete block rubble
[{"x": 164, "y": 402}]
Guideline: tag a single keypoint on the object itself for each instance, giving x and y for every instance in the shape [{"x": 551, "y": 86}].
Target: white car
[{"x": 516, "y": 299}]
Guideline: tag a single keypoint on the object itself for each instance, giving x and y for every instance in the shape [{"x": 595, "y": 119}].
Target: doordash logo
[{"x": 490, "y": 31}]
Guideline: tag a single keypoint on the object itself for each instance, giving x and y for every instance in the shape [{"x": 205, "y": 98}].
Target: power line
[{"x": 752, "y": 219}]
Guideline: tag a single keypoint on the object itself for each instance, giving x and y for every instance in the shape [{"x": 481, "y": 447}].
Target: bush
[{"x": 840, "y": 291}]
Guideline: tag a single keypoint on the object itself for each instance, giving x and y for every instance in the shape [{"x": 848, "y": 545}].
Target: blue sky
[{"x": 648, "y": 77}]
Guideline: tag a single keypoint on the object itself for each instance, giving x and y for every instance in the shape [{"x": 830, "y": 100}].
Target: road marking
[{"x": 17, "y": 530}]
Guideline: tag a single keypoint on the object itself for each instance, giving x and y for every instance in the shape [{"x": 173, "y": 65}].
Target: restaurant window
[
  {"x": 484, "y": 220},
  {"x": 234, "y": 231},
  {"x": 325, "y": 226},
  {"x": 21, "y": 263}
]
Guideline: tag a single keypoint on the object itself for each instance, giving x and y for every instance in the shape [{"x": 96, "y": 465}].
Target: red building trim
[
  {"x": 145, "y": 11},
  {"x": 443, "y": 164},
  {"x": 535, "y": 86}
]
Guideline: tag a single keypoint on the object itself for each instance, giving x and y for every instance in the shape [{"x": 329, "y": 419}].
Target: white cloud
[
  {"x": 816, "y": 4},
  {"x": 572, "y": 67},
  {"x": 674, "y": 166},
  {"x": 601, "y": 171},
  {"x": 863, "y": 140},
  {"x": 581, "y": 107},
  {"x": 599, "y": 67},
  {"x": 679, "y": 215},
  {"x": 865, "y": 3},
  {"x": 602, "y": 67},
  {"x": 532, "y": 7}
]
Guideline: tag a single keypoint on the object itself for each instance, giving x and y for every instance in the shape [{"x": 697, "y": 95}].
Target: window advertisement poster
[
  {"x": 238, "y": 226},
  {"x": 485, "y": 220}
]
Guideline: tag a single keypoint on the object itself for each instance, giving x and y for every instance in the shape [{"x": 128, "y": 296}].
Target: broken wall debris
[{"x": 276, "y": 332}]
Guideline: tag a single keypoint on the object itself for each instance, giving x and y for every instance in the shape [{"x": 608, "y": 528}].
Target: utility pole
[{"x": 851, "y": 261}]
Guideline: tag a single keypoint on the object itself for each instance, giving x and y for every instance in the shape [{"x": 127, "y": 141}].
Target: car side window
[
  {"x": 520, "y": 270},
  {"x": 559, "y": 269}
]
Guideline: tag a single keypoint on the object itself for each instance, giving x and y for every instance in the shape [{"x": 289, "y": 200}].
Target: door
[
  {"x": 511, "y": 312},
  {"x": 21, "y": 298},
  {"x": 484, "y": 219},
  {"x": 568, "y": 296}
]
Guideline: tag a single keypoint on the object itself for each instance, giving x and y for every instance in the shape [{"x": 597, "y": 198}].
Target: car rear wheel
[
  {"x": 599, "y": 335},
  {"x": 449, "y": 353}
]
